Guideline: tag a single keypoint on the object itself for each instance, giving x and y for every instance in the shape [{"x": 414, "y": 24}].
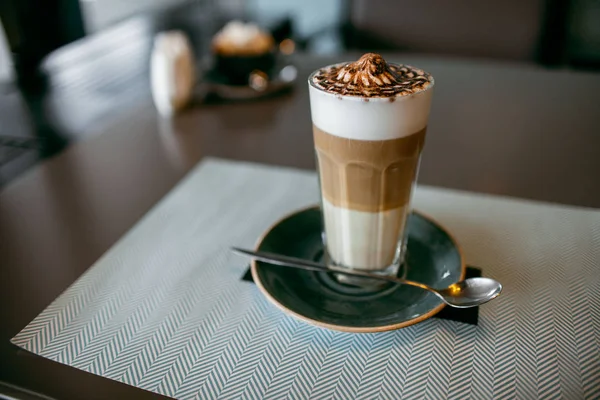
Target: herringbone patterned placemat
[{"x": 165, "y": 309}]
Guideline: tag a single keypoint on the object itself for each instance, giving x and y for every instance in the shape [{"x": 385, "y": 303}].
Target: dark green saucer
[{"x": 433, "y": 257}]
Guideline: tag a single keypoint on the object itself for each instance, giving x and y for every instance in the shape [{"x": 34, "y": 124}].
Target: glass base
[
  {"x": 396, "y": 269},
  {"x": 392, "y": 270}
]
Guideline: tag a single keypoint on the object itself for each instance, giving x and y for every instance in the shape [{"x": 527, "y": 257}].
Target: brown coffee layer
[{"x": 367, "y": 175}]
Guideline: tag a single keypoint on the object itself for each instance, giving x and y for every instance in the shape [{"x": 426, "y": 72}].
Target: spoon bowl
[{"x": 470, "y": 292}]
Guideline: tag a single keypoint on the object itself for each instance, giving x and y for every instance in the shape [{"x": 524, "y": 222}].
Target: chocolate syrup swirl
[{"x": 371, "y": 76}]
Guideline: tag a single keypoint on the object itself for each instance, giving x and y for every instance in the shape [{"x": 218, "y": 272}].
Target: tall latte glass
[{"x": 369, "y": 121}]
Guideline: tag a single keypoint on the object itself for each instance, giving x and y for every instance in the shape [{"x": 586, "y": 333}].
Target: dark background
[{"x": 45, "y": 39}]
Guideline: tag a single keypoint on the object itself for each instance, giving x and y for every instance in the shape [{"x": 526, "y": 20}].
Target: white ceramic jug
[{"x": 172, "y": 72}]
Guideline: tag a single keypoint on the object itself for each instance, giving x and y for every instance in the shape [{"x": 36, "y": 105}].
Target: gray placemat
[{"x": 165, "y": 309}]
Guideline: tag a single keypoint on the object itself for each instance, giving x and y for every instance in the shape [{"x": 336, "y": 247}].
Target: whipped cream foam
[
  {"x": 370, "y": 99},
  {"x": 371, "y": 76}
]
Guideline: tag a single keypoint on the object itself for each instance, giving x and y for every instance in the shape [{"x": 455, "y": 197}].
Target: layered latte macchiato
[{"x": 369, "y": 122}]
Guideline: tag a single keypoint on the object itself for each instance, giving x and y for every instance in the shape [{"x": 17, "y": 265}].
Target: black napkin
[{"x": 466, "y": 315}]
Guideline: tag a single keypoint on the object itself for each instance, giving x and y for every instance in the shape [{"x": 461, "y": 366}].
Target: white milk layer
[
  {"x": 376, "y": 119},
  {"x": 364, "y": 240}
]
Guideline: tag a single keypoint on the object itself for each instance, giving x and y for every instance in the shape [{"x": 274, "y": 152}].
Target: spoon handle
[{"x": 287, "y": 261}]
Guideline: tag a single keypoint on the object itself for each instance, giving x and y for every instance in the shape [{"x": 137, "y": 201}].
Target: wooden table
[{"x": 504, "y": 129}]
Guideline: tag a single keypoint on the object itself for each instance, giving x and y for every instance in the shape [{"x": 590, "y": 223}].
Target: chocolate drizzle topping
[{"x": 371, "y": 76}]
